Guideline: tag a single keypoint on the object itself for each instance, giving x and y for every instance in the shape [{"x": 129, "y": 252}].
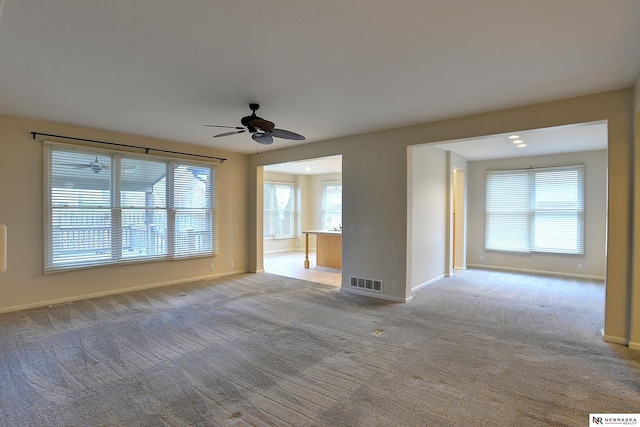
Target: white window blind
[
  {"x": 331, "y": 205},
  {"x": 108, "y": 207},
  {"x": 279, "y": 210},
  {"x": 535, "y": 210}
]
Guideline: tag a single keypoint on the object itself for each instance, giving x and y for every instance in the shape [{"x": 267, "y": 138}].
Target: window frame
[
  {"x": 521, "y": 207},
  {"x": 268, "y": 231},
  {"x": 325, "y": 211},
  {"x": 117, "y": 236}
]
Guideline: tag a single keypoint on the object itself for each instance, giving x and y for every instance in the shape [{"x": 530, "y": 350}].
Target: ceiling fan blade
[
  {"x": 76, "y": 165},
  {"x": 229, "y": 133},
  {"x": 262, "y": 124},
  {"x": 262, "y": 138},
  {"x": 228, "y": 127},
  {"x": 286, "y": 134}
]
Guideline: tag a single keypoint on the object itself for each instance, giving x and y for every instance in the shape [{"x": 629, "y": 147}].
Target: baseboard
[
  {"x": 616, "y": 340},
  {"x": 634, "y": 345},
  {"x": 422, "y": 285},
  {"x": 280, "y": 251},
  {"x": 376, "y": 295},
  {"x": 524, "y": 270},
  {"x": 115, "y": 292}
]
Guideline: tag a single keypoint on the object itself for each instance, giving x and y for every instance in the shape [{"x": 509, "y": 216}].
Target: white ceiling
[
  {"x": 324, "y": 69},
  {"x": 319, "y": 166},
  {"x": 538, "y": 142}
]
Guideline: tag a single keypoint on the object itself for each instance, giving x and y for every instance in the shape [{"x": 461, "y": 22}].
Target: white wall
[
  {"x": 305, "y": 198},
  {"x": 427, "y": 211},
  {"x": 593, "y": 260}
]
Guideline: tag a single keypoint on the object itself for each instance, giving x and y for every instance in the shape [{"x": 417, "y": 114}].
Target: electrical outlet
[
  {"x": 481, "y": 257},
  {"x": 232, "y": 263},
  {"x": 393, "y": 285},
  {"x": 211, "y": 267},
  {"x": 579, "y": 266},
  {"x": 428, "y": 272}
]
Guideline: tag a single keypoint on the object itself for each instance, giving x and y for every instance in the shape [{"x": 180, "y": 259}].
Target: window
[
  {"x": 279, "y": 212},
  {"x": 107, "y": 207},
  {"x": 535, "y": 210},
  {"x": 332, "y": 205}
]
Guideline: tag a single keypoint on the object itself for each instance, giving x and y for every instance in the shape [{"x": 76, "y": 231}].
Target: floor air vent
[{"x": 366, "y": 284}]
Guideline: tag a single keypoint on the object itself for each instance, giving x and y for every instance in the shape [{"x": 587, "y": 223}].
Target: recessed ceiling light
[
  {"x": 518, "y": 141},
  {"x": 514, "y": 137},
  {"x": 521, "y": 145},
  {"x": 307, "y": 168}
]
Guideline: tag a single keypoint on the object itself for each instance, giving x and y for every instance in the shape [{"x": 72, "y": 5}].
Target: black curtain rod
[{"x": 146, "y": 149}]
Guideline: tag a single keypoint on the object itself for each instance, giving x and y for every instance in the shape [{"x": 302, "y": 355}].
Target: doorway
[
  {"x": 284, "y": 245},
  {"x": 447, "y": 200},
  {"x": 459, "y": 220}
]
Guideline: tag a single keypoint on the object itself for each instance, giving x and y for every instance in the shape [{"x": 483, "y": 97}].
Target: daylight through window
[
  {"x": 332, "y": 205},
  {"x": 279, "y": 210},
  {"x": 535, "y": 210},
  {"x": 106, "y": 207}
]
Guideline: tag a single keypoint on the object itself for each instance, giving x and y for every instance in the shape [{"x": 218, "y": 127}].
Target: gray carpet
[{"x": 481, "y": 348}]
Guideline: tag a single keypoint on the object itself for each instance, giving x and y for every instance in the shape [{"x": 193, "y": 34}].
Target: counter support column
[{"x": 306, "y": 251}]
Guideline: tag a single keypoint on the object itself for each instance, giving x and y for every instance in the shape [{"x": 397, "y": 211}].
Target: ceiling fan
[
  {"x": 262, "y": 131},
  {"x": 96, "y": 166}
]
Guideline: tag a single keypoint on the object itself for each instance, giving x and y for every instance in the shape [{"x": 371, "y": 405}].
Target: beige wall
[
  {"x": 375, "y": 178},
  {"x": 593, "y": 260},
  {"x": 636, "y": 95},
  {"x": 375, "y": 171},
  {"x": 24, "y": 284},
  {"x": 635, "y": 293},
  {"x": 427, "y": 211}
]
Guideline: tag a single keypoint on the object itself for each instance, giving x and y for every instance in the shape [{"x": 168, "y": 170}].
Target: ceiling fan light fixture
[{"x": 261, "y": 130}]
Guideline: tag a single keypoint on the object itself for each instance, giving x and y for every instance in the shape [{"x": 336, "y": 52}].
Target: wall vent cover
[{"x": 366, "y": 284}]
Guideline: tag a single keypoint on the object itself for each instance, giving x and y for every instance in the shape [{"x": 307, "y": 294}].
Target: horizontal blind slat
[
  {"x": 109, "y": 207},
  {"x": 535, "y": 210}
]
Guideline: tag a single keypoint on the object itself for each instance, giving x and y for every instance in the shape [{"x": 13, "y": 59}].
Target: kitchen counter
[{"x": 328, "y": 248}]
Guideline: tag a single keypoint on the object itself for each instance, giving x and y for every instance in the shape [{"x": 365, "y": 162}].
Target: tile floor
[{"x": 291, "y": 264}]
